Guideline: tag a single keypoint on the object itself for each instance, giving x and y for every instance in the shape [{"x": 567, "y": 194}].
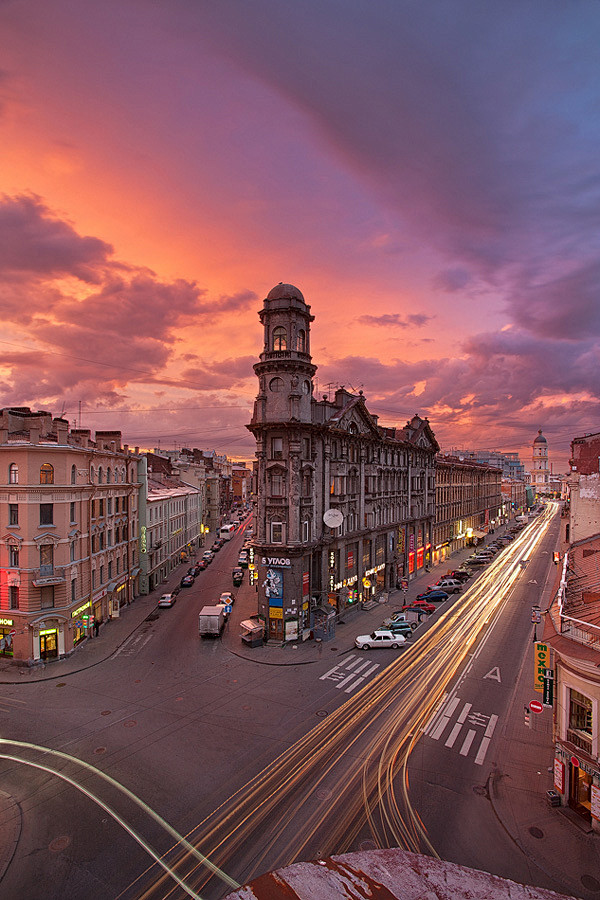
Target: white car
[
  {"x": 167, "y": 600},
  {"x": 379, "y": 639}
]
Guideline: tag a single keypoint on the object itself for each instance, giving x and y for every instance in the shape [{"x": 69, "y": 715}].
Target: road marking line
[
  {"x": 435, "y": 715},
  {"x": 356, "y": 680},
  {"x": 459, "y": 724},
  {"x": 485, "y": 741},
  {"x": 439, "y": 728},
  {"x": 467, "y": 742}
]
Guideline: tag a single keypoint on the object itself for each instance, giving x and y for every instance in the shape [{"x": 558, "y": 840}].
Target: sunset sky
[{"x": 426, "y": 172}]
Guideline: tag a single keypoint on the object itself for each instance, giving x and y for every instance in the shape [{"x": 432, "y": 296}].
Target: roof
[
  {"x": 540, "y": 439},
  {"x": 283, "y": 291}
]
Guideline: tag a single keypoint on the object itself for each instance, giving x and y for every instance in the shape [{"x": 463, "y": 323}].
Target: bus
[{"x": 227, "y": 532}]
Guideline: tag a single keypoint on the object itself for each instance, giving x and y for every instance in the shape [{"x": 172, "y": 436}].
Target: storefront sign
[
  {"x": 559, "y": 776},
  {"x": 305, "y": 584},
  {"x": 541, "y": 662},
  {"x": 595, "y": 802},
  {"x": 548, "y": 694},
  {"x": 276, "y": 612},
  {"x": 80, "y": 609},
  {"x": 4, "y": 621},
  {"x": 143, "y": 538},
  {"x": 47, "y": 631},
  {"x": 275, "y": 561}
]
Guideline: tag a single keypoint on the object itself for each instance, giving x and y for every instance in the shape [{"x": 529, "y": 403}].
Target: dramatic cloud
[{"x": 393, "y": 320}]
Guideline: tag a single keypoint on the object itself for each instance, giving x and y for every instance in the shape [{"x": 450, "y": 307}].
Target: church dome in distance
[
  {"x": 540, "y": 439},
  {"x": 283, "y": 291}
]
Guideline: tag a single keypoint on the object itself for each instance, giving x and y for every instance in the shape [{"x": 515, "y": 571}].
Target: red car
[{"x": 419, "y": 606}]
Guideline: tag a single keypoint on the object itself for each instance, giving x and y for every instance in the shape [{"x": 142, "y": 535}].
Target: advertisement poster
[
  {"x": 541, "y": 662},
  {"x": 559, "y": 776},
  {"x": 273, "y": 584}
]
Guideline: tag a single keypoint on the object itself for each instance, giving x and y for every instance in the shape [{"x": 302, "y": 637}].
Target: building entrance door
[
  {"x": 580, "y": 791},
  {"x": 276, "y": 629},
  {"x": 48, "y": 644}
]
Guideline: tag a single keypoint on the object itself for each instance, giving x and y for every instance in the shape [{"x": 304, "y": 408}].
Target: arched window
[
  {"x": 301, "y": 342},
  {"x": 279, "y": 338},
  {"x": 13, "y": 474},
  {"x": 47, "y": 474},
  {"x": 73, "y": 474},
  {"x": 108, "y": 476},
  {"x": 99, "y": 474}
]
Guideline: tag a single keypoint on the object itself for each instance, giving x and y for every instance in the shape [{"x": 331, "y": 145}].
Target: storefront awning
[
  {"x": 479, "y": 534},
  {"x": 135, "y": 571}
]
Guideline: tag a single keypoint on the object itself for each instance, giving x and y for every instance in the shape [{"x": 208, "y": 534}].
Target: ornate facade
[{"x": 344, "y": 507}]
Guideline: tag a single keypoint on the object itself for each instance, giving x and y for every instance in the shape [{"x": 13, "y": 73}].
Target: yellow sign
[
  {"x": 366, "y": 582},
  {"x": 276, "y": 612},
  {"x": 6, "y": 621},
  {"x": 80, "y": 609},
  {"x": 541, "y": 656},
  {"x": 48, "y": 631}
]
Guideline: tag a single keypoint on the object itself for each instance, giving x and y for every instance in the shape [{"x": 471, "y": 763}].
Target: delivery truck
[{"x": 211, "y": 621}]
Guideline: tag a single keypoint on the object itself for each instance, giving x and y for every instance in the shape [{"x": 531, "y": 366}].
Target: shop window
[
  {"x": 13, "y": 557},
  {"x": 13, "y": 474},
  {"x": 13, "y": 597},
  {"x": 47, "y": 474},
  {"x": 13, "y": 514},
  {"x": 276, "y": 532},
  {"x": 47, "y": 597},
  {"x": 46, "y": 514},
  {"x": 73, "y": 474},
  {"x": 279, "y": 338}
]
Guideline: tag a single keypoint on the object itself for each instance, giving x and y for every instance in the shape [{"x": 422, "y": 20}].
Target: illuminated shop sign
[
  {"x": 4, "y": 621},
  {"x": 80, "y": 609},
  {"x": 275, "y": 561},
  {"x": 143, "y": 538}
]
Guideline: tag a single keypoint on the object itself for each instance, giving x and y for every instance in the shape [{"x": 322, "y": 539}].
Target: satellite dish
[{"x": 333, "y": 518}]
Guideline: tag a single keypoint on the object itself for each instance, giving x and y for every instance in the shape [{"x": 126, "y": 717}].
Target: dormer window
[{"x": 279, "y": 338}]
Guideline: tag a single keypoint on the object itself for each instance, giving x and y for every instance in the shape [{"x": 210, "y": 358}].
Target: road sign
[
  {"x": 12, "y": 632},
  {"x": 535, "y": 706}
]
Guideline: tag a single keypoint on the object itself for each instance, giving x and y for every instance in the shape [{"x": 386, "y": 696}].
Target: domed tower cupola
[
  {"x": 285, "y": 370},
  {"x": 539, "y": 467}
]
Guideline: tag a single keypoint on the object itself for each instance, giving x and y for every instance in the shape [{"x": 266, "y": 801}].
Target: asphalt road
[{"x": 193, "y": 732}]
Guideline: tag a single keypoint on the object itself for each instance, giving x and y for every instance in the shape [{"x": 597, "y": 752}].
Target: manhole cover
[
  {"x": 100, "y": 750},
  {"x": 106, "y": 712},
  {"x": 368, "y": 845},
  {"x": 591, "y": 883},
  {"x": 536, "y": 832},
  {"x": 480, "y": 789},
  {"x": 130, "y": 723},
  {"x": 61, "y": 684},
  {"x": 322, "y": 713},
  {"x": 324, "y": 794},
  {"x": 59, "y": 844}
]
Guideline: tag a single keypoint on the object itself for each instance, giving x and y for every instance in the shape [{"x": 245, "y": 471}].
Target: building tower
[{"x": 539, "y": 466}]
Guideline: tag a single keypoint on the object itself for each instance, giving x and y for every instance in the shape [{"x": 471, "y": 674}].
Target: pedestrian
[{"x": 96, "y": 627}]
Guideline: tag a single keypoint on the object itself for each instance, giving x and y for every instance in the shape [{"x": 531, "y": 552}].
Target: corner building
[{"x": 344, "y": 507}]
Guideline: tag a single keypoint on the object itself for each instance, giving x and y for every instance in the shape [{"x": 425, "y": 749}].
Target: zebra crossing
[
  {"x": 350, "y": 673},
  {"x": 466, "y": 727}
]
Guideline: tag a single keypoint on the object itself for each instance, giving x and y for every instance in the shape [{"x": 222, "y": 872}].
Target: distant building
[
  {"x": 511, "y": 466},
  {"x": 241, "y": 484},
  {"x": 344, "y": 507},
  {"x": 69, "y": 550},
  {"x": 468, "y": 504},
  {"x": 539, "y": 464}
]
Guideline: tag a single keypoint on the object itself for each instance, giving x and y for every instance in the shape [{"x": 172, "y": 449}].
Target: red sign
[
  {"x": 575, "y": 762},
  {"x": 535, "y": 706}
]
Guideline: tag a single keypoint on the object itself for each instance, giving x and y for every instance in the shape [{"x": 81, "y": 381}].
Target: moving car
[
  {"x": 237, "y": 576},
  {"x": 432, "y": 595},
  {"x": 167, "y": 600},
  {"x": 187, "y": 581},
  {"x": 419, "y": 606},
  {"x": 379, "y": 639}
]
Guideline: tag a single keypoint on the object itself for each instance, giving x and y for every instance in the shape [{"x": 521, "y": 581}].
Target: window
[
  {"x": 301, "y": 343},
  {"x": 73, "y": 518},
  {"x": 109, "y": 506},
  {"x": 276, "y": 384},
  {"x": 13, "y": 597},
  {"x": 276, "y": 532},
  {"x": 99, "y": 474},
  {"x": 93, "y": 579},
  {"x": 13, "y": 557},
  {"x": 101, "y": 507},
  {"x": 72, "y": 555},
  {"x": 73, "y": 590},
  {"x": 580, "y": 713},
  {"x": 277, "y": 448},
  {"x": 13, "y": 514},
  {"x": 13, "y": 474},
  {"x": 101, "y": 574},
  {"x": 108, "y": 476},
  {"x": 306, "y": 483},
  {"x": 277, "y": 484},
  {"x": 279, "y": 338},
  {"x": 47, "y": 474},
  {"x": 46, "y": 514},
  {"x": 109, "y": 569},
  {"x": 306, "y": 448},
  {"x": 47, "y": 597},
  {"x": 306, "y": 531},
  {"x": 117, "y": 505},
  {"x": 101, "y": 540},
  {"x": 73, "y": 474},
  {"x": 46, "y": 559}
]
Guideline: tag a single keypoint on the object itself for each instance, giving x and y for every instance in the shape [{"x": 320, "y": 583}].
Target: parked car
[
  {"x": 419, "y": 606},
  {"x": 395, "y": 617},
  {"x": 167, "y": 599},
  {"x": 460, "y": 574},
  {"x": 433, "y": 595},
  {"x": 379, "y": 639},
  {"x": 187, "y": 581},
  {"x": 216, "y": 547},
  {"x": 450, "y": 585},
  {"x": 404, "y": 628},
  {"x": 478, "y": 560},
  {"x": 201, "y": 564},
  {"x": 208, "y": 556},
  {"x": 243, "y": 559},
  {"x": 237, "y": 576},
  {"x": 196, "y": 570}
]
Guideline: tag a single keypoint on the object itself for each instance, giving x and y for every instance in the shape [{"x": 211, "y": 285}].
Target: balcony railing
[
  {"x": 48, "y": 574},
  {"x": 574, "y": 737}
]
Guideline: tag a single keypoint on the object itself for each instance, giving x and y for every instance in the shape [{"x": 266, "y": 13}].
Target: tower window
[
  {"x": 301, "y": 343},
  {"x": 276, "y": 384},
  {"x": 279, "y": 338}
]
